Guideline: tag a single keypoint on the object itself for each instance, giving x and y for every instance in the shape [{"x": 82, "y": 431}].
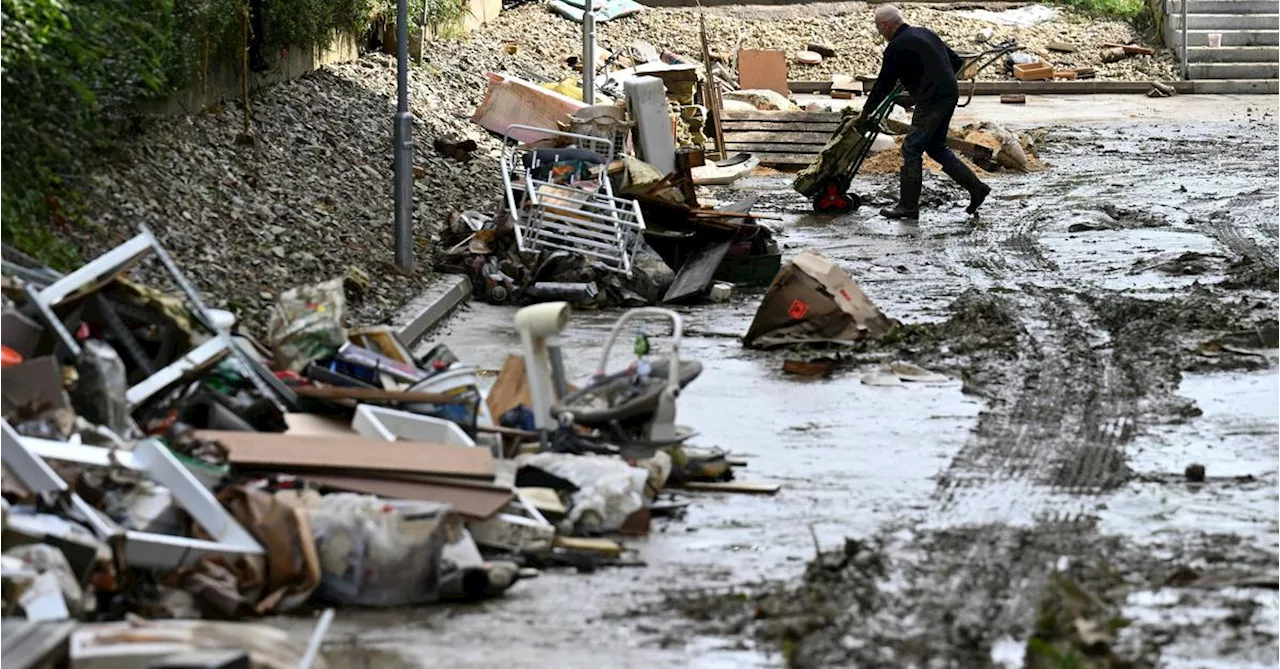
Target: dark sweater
[{"x": 926, "y": 67}]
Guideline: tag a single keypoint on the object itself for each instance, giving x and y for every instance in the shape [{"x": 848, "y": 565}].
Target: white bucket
[{"x": 1215, "y": 40}]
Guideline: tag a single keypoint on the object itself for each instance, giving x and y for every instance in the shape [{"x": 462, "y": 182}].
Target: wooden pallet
[{"x": 779, "y": 139}]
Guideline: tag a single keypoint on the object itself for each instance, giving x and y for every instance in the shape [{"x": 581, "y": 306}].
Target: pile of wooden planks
[{"x": 777, "y": 138}]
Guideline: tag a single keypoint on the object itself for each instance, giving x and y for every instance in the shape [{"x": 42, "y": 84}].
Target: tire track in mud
[{"x": 1063, "y": 401}]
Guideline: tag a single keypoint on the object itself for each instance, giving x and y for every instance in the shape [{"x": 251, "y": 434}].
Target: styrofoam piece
[
  {"x": 521, "y": 529},
  {"x": 647, "y": 97},
  {"x": 376, "y": 422}
]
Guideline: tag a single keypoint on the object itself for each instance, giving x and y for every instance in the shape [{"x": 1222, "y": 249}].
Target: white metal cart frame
[{"x": 553, "y": 217}]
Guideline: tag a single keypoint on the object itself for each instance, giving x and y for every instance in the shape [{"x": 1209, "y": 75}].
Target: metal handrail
[{"x": 1186, "y": 71}]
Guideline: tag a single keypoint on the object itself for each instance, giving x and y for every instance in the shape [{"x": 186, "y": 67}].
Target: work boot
[
  {"x": 909, "y": 194},
  {"x": 964, "y": 176}
]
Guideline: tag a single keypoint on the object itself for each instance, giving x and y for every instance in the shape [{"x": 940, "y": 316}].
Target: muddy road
[{"x": 1109, "y": 322}]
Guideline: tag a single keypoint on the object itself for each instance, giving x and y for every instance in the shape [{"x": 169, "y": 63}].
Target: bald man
[{"x": 927, "y": 69}]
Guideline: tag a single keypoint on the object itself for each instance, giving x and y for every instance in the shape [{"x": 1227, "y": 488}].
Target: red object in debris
[
  {"x": 291, "y": 377},
  {"x": 798, "y": 310},
  {"x": 82, "y": 332},
  {"x": 9, "y": 357}
]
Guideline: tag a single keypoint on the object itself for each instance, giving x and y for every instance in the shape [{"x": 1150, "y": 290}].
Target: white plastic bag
[
  {"x": 375, "y": 552},
  {"x": 306, "y": 324},
  {"x": 609, "y": 489}
]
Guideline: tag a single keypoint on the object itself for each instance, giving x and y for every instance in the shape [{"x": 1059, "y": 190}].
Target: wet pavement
[{"x": 1082, "y": 397}]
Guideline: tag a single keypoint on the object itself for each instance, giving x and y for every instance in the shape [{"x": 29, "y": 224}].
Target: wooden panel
[
  {"x": 291, "y": 453},
  {"x": 754, "y": 147},
  {"x": 470, "y": 502},
  {"x": 762, "y": 69},
  {"x": 757, "y": 115},
  {"x": 793, "y": 126},
  {"x": 779, "y": 137}
]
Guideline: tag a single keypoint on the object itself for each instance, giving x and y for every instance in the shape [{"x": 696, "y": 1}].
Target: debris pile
[{"x": 164, "y": 468}]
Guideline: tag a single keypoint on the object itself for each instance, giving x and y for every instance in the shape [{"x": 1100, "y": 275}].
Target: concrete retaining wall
[{"x": 222, "y": 82}]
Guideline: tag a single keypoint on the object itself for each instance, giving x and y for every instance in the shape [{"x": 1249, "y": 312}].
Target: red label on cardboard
[
  {"x": 798, "y": 310},
  {"x": 845, "y": 294}
]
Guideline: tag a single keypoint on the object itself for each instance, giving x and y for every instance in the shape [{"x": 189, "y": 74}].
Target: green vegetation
[
  {"x": 73, "y": 71},
  {"x": 1127, "y": 10}
]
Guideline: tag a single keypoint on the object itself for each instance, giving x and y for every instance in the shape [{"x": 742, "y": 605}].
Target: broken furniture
[
  {"x": 90, "y": 278},
  {"x": 25, "y": 457},
  {"x": 580, "y": 216},
  {"x": 634, "y": 409}
]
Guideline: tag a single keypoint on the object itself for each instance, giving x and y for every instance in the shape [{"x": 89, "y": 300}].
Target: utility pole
[
  {"x": 588, "y": 54},
  {"x": 403, "y": 186}
]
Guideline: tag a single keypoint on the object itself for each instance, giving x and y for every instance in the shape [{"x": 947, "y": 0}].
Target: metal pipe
[
  {"x": 317, "y": 636},
  {"x": 588, "y": 54},
  {"x": 403, "y": 185},
  {"x": 1186, "y": 71}
]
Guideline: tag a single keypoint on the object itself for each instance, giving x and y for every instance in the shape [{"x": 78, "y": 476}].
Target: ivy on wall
[{"x": 73, "y": 70}]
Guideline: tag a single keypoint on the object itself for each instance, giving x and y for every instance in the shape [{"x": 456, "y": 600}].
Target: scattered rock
[{"x": 1195, "y": 473}]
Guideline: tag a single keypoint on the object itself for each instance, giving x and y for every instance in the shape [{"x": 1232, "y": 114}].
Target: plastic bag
[
  {"x": 609, "y": 489},
  {"x": 306, "y": 324},
  {"x": 378, "y": 553},
  {"x": 100, "y": 394}
]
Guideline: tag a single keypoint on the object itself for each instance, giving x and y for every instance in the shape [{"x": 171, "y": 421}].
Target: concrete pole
[
  {"x": 588, "y": 55},
  {"x": 403, "y": 186}
]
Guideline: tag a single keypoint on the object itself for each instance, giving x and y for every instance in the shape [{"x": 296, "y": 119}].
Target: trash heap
[
  {"x": 600, "y": 203},
  {"x": 164, "y": 469}
]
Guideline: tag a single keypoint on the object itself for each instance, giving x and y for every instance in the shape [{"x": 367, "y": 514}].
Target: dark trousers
[{"x": 928, "y": 134}]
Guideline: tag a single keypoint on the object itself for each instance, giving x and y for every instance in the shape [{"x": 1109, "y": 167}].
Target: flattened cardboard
[
  {"x": 469, "y": 501},
  {"x": 762, "y": 69},
  {"x": 348, "y": 455},
  {"x": 510, "y": 389}
]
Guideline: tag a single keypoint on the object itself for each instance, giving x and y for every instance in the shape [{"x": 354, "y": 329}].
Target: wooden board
[
  {"x": 696, "y": 274},
  {"x": 345, "y": 455},
  {"x": 473, "y": 502},
  {"x": 602, "y": 546},
  {"x": 780, "y": 126},
  {"x": 734, "y": 486},
  {"x": 758, "y": 148},
  {"x": 758, "y": 115},
  {"x": 819, "y": 138},
  {"x": 760, "y": 69}
]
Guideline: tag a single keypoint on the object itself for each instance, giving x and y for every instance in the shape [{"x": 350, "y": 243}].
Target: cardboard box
[
  {"x": 814, "y": 300},
  {"x": 1033, "y": 71}
]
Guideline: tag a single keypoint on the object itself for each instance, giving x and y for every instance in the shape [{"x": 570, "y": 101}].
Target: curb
[
  {"x": 424, "y": 312},
  {"x": 1202, "y": 86}
]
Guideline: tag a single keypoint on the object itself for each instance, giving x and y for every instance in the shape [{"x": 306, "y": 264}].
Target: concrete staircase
[{"x": 1250, "y": 46}]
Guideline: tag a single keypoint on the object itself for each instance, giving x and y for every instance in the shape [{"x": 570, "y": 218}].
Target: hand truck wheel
[{"x": 832, "y": 199}]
